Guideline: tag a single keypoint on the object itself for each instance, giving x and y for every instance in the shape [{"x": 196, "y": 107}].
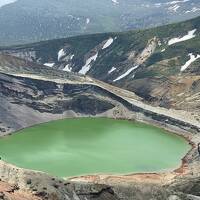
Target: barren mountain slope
[{"x": 167, "y": 58}]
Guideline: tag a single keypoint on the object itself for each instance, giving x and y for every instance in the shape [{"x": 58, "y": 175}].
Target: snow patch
[
  {"x": 126, "y": 73},
  {"x": 189, "y": 62},
  {"x": 61, "y": 53},
  {"x": 87, "y": 20},
  {"x": 49, "y": 64},
  {"x": 158, "y": 5},
  {"x": 112, "y": 70},
  {"x": 194, "y": 9},
  {"x": 163, "y": 50},
  {"x": 189, "y": 36},
  {"x": 5, "y": 2},
  {"x": 60, "y": 86},
  {"x": 170, "y": 3},
  {"x": 175, "y": 2},
  {"x": 72, "y": 56},
  {"x": 115, "y": 2},
  {"x": 108, "y": 43},
  {"x": 87, "y": 65},
  {"x": 67, "y": 68},
  {"x": 174, "y": 8}
]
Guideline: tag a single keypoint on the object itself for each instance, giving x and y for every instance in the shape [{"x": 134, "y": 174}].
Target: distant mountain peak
[{"x": 28, "y": 21}]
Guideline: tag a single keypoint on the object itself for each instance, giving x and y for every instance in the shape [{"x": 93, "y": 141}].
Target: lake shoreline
[
  {"x": 187, "y": 171},
  {"x": 183, "y": 169},
  {"x": 135, "y": 127},
  {"x": 168, "y": 130}
]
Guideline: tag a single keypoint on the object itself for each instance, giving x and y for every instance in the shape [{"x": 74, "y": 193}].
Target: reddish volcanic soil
[{"x": 12, "y": 192}]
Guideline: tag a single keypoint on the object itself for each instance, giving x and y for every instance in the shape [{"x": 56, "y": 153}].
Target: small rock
[
  {"x": 174, "y": 197},
  {"x": 2, "y": 195}
]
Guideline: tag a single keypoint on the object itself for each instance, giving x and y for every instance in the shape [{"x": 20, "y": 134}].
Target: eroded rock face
[
  {"x": 38, "y": 101},
  {"x": 49, "y": 97},
  {"x": 147, "y": 51}
]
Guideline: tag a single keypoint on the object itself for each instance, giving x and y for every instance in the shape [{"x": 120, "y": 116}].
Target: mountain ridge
[
  {"x": 130, "y": 59},
  {"x": 26, "y": 20}
]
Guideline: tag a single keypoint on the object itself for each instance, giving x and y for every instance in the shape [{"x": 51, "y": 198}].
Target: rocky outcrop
[
  {"x": 43, "y": 186},
  {"x": 10, "y": 192},
  {"x": 145, "y": 53}
]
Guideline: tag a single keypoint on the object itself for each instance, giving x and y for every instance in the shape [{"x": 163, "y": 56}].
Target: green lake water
[{"x": 88, "y": 146}]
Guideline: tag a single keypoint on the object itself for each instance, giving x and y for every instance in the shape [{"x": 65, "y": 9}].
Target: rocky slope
[
  {"x": 166, "y": 57},
  {"x": 32, "y": 93}
]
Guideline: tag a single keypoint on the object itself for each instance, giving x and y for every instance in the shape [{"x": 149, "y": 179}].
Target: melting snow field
[
  {"x": 61, "y": 53},
  {"x": 112, "y": 70},
  {"x": 72, "y": 56},
  {"x": 125, "y": 74},
  {"x": 189, "y": 36},
  {"x": 108, "y": 43},
  {"x": 87, "y": 65},
  {"x": 67, "y": 68},
  {"x": 87, "y": 20},
  {"x": 115, "y": 2},
  {"x": 49, "y": 64},
  {"x": 189, "y": 62}
]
